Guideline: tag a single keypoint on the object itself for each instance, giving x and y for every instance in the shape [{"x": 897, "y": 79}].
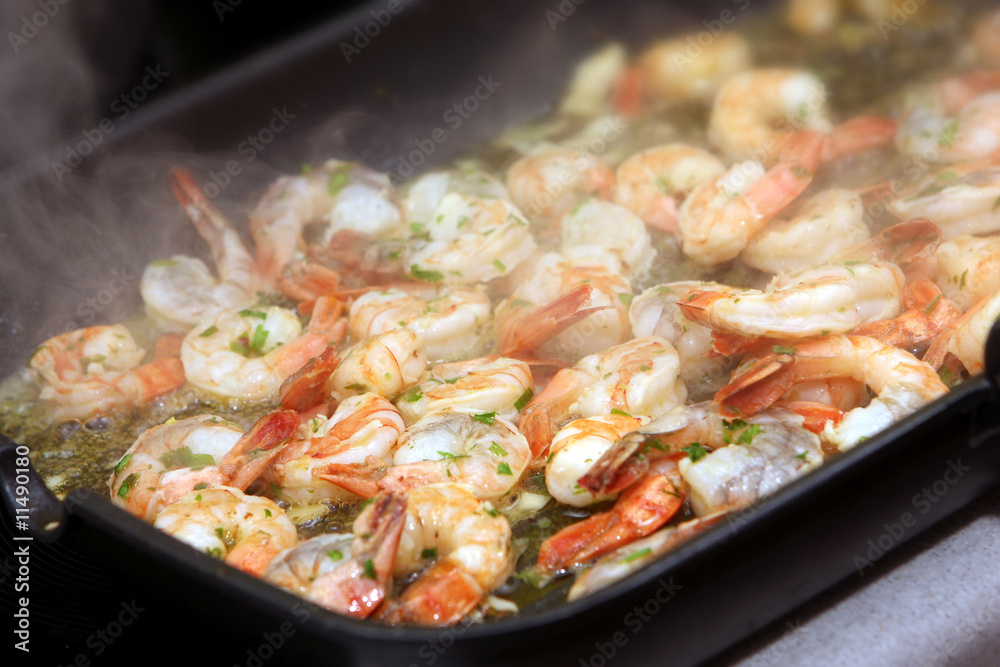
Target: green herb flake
[
  {"x": 429, "y": 554},
  {"x": 486, "y": 417},
  {"x": 414, "y": 396},
  {"x": 211, "y": 331},
  {"x": 260, "y": 315},
  {"x": 504, "y": 469},
  {"x": 121, "y": 464},
  {"x": 637, "y": 555},
  {"x": 426, "y": 276},
  {"x": 524, "y": 399},
  {"x": 448, "y": 456},
  {"x": 127, "y": 485},
  {"x": 500, "y": 266},
  {"x": 338, "y": 179},
  {"x": 748, "y": 434},
  {"x": 497, "y": 449},
  {"x": 802, "y": 456},
  {"x": 961, "y": 282},
  {"x": 200, "y": 487},
  {"x": 695, "y": 451},
  {"x": 781, "y": 349},
  {"x": 334, "y": 554},
  {"x": 931, "y": 305},
  {"x": 616, "y": 411},
  {"x": 625, "y": 298}
]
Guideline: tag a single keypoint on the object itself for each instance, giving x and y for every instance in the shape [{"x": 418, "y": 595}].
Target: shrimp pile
[{"x": 380, "y": 404}]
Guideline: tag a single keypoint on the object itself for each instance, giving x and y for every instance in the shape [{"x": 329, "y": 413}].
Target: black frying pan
[{"x": 693, "y": 603}]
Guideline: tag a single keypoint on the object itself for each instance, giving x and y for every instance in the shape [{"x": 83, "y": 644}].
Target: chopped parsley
[
  {"x": 182, "y": 457},
  {"x": 504, "y": 469},
  {"x": 695, "y": 451},
  {"x": 427, "y": 276},
  {"x": 486, "y": 417},
  {"x": 524, "y": 399},
  {"x": 637, "y": 555}
]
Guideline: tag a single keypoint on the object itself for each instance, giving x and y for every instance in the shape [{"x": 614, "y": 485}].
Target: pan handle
[{"x": 34, "y": 509}]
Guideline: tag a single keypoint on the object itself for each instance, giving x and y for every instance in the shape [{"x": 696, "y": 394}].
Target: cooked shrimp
[
  {"x": 424, "y": 194},
  {"x": 348, "y": 574},
  {"x": 479, "y": 449},
  {"x": 621, "y": 563},
  {"x": 719, "y": 218},
  {"x": 246, "y": 532},
  {"x": 813, "y": 17},
  {"x": 640, "y": 510},
  {"x": 902, "y": 383},
  {"x": 639, "y": 378},
  {"x": 384, "y": 364},
  {"x": 342, "y": 195},
  {"x": 596, "y": 228},
  {"x": 182, "y": 290},
  {"x": 362, "y": 426},
  {"x": 451, "y": 321},
  {"x": 953, "y": 120},
  {"x": 93, "y": 371},
  {"x": 816, "y": 302},
  {"x": 565, "y": 309},
  {"x": 590, "y": 90},
  {"x": 735, "y": 476},
  {"x": 969, "y": 340},
  {"x": 465, "y": 542},
  {"x": 574, "y": 450},
  {"x": 968, "y": 269},
  {"x": 249, "y": 353},
  {"x": 548, "y": 184},
  {"x": 170, "y": 460},
  {"x": 498, "y": 385},
  {"x": 470, "y": 240},
  {"x": 960, "y": 200},
  {"x": 670, "y": 73},
  {"x": 656, "y": 312},
  {"x": 819, "y": 228},
  {"x": 654, "y": 182},
  {"x": 755, "y": 110}
]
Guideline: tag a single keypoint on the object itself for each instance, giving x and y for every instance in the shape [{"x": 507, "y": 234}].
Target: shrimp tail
[
  {"x": 816, "y": 415},
  {"x": 304, "y": 388},
  {"x": 857, "y": 135},
  {"x": 618, "y": 467},
  {"x": 541, "y": 325},
  {"x": 305, "y": 282},
  {"x": 255, "y": 450},
  {"x": 443, "y": 595},
  {"x": 640, "y": 510},
  {"x": 361, "y": 479}
]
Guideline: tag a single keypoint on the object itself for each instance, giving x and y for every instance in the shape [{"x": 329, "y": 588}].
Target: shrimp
[
  {"x": 593, "y": 83},
  {"x": 245, "y": 531},
  {"x": 181, "y": 290},
  {"x": 470, "y": 240},
  {"x": 451, "y": 321},
  {"x": 424, "y": 194},
  {"x": 640, "y": 510},
  {"x": 960, "y": 200},
  {"x": 249, "y": 353},
  {"x": 622, "y": 562},
  {"x": 813, "y": 17},
  {"x": 755, "y": 110},
  {"x": 343, "y": 195},
  {"x": 461, "y": 548},
  {"x": 348, "y": 574},
  {"x": 548, "y": 184},
  {"x": 479, "y": 449},
  {"x": 498, "y": 385},
  {"x": 902, "y": 383},
  {"x": 96, "y": 370},
  {"x": 719, "y": 218},
  {"x": 655, "y": 312},
  {"x": 968, "y": 342},
  {"x": 669, "y": 72},
  {"x": 654, "y": 182},
  {"x": 954, "y": 120},
  {"x": 639, "y": 378},
  {"x": 565, "y": 309},
  {"x": 170, "y": 460},
  {"x": 575, "y": 448},
  {"x": 385, "y": 364},
  {"x": 819, "y": 228},
  {"x": 362, "y": 426},
  {"x": 596, "y": 228},
  {"x": 968, "y": 269},
  {"x": 816, "y": 302}
]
